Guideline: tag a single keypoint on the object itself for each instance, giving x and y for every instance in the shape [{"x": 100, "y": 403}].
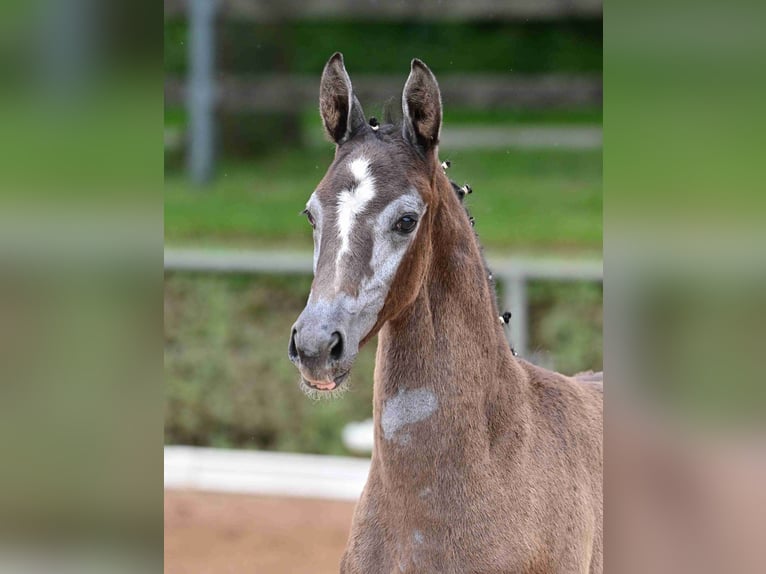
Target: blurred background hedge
[{"x": 229, "y": 383}]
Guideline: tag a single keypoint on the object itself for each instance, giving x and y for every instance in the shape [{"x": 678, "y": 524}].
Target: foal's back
[{"x": 565, "y": 462}]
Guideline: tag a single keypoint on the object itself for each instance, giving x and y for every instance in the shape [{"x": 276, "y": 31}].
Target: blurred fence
[
  {"x": 422, "y": 10},
  {"x": 205, "y": 91},
  {"x": 512, "y": 274},
  {"x": 286, "y": 92}
]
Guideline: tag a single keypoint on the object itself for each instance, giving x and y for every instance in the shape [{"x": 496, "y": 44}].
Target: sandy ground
[{"x": 211, "y": 533}]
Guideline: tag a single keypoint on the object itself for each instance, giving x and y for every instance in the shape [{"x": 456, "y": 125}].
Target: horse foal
[{"x": 482, "y": 462}]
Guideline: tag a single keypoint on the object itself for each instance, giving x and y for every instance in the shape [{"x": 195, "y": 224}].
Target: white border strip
[
  {"x": 268, "y": 473},
  {"x": 259, "y": 261}
]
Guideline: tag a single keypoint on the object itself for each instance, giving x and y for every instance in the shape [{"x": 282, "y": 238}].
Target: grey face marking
[
  {"x": 407, "y": 407},
  {"x": 367, "y": 212},
  {"x": 356, "y": 250},
  {"x": 417, "y": 537},
  {"x": 388, "y": 250}
]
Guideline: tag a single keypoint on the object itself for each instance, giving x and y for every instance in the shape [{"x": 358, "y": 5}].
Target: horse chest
[
  {"x": 459, "y": 525},
  {"x": 436, "y": 530},
  {"x": 446, "y": 550}
]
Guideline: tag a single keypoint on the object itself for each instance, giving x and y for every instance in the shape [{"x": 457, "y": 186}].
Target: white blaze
[{"x": 352, "y": 202}]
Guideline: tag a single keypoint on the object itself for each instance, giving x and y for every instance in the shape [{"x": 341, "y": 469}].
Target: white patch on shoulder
[
  {"x": 405, "y": 408},
  {"x": 352, "y": 201}
]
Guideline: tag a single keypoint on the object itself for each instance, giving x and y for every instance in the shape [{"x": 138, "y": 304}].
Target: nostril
[
  {"x": 336, "y": 346},
  {"x": 293, "y": 350}
]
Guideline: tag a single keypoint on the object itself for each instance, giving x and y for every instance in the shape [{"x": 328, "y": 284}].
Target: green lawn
[{"x": 530, "y": 201}]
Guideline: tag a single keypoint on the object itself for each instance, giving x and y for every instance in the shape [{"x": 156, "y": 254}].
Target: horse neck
[{"x": 447, "y": 352}]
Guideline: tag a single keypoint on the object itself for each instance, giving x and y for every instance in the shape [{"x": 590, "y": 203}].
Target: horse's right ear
[
  {"x": 341, "y": 112},
  {"x": 422, "y": 107}
]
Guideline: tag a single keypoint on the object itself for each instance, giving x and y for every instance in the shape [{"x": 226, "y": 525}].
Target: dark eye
[
  {"x": 310, "y": 217},
  {"x": 406, "y": 224}
]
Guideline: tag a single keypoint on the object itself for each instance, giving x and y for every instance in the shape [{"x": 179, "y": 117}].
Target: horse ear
[
  {"x": 422, "y": 107},
  {"x": 340, "y": 110}
]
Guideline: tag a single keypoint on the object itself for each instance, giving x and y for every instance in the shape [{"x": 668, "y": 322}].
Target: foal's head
[{"x": 371, "y": 220}]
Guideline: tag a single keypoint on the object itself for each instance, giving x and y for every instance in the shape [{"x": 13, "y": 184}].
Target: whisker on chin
[{"x": 317, "y": 395}]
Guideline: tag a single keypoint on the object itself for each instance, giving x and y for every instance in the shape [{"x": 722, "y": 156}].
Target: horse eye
[
  {"x": 406, "y": 224},
  {"x": 310, "y": 217}
]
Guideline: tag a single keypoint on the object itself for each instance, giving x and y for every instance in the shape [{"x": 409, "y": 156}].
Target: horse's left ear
[{"x": 422, "y": 107}]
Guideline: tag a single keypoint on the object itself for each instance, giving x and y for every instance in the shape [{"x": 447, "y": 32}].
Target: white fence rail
[
  {"x": 512, "y": 274},
  {"x": 265, "y": 473}
]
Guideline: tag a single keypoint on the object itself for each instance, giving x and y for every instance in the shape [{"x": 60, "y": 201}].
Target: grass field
[{"x": 531, "y": 201}]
